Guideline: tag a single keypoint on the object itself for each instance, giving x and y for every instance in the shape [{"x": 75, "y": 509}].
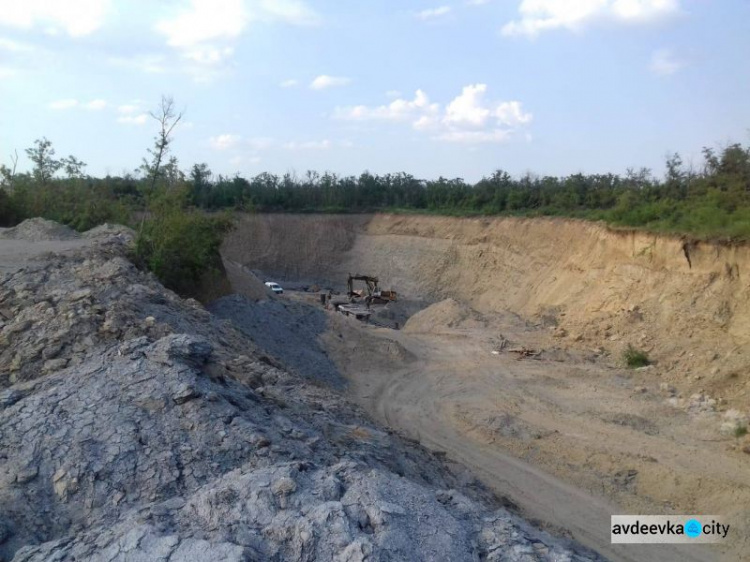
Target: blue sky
[{"x": 457, "y": 88}]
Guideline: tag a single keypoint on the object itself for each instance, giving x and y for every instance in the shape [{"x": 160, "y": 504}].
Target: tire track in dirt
[{"x": 411, "y": 400}]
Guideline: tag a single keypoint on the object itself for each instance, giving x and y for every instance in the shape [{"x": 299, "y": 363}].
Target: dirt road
[{"x": 568, "y": 440}]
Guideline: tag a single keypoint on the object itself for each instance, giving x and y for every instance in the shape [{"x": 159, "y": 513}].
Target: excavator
[{"x": 372, "y": 293}]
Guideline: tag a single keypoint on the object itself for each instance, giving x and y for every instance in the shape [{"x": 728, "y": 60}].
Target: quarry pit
[{"x": 565, "y": 433}]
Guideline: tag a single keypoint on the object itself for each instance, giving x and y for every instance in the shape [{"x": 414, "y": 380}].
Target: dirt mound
[
  {"x": 38, "y": 230},
  {"x": 446, "y": 314},
  {"x": 107, "y": 230}
]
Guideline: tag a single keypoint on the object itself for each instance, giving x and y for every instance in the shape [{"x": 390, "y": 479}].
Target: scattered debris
[{"x": 524, "y": 352}]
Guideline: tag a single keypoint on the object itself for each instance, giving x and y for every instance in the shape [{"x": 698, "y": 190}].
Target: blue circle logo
[{"x": 693, "y": 528}]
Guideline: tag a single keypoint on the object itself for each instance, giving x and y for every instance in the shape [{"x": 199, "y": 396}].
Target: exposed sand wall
[{"x": 605, "y": 288}]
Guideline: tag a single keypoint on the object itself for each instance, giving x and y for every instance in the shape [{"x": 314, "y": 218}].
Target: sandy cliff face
[{"x": 687, "y": 306}]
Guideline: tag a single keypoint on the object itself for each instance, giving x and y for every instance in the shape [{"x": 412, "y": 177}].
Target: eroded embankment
[{"x": 687, "y": 306}]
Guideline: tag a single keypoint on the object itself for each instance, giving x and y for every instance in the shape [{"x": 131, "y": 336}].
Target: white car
[{"x": 275, "y": 287}]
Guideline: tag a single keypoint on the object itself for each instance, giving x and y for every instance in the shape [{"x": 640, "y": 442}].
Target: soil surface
[{"x": 569, "y": 441}]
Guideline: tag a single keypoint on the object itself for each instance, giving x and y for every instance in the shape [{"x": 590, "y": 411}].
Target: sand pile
[{"x": 443, "y": 315}]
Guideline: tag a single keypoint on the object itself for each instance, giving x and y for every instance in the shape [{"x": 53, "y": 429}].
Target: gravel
[{"x": 286, "y": 330}]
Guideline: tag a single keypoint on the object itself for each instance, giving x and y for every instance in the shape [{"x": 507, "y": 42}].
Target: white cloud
[
  {"x": 140, "y": 119},
  {"x": 397, "y": 110},
  {"x": 205, "y": 30},
  {"x": 477, "y": 2},
  {"x": 75, "y": 17},
  {"x": 324, "y": 81},
  {"x": 96, "y": 105},
  {"x": 511, "y": 114},
  {"x": 291, "y": 83},
  {"x": 434, "y": 13},
  {"x": 224, "y": 142},
  {"x": 468, "y": 109},
  {"x": 664, "y": 63},
  {"x": 545, "y": 15},
  {"x": 468, "y": 118},
  {"x": 205, "y": 20},
  {"x": 64, "y": 104}
]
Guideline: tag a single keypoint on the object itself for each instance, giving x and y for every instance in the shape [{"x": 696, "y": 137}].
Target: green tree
[
  {"x": 42, "y": 156},
  {"x": 73, "y": 168}
]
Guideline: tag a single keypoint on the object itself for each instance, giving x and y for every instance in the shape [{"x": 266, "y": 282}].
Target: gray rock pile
[
  {"x": 36, "y": 230},
  {"x": 135, "y": 426}
]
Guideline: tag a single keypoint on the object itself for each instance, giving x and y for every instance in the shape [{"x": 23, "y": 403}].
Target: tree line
[{"x": 712, "y": 200}]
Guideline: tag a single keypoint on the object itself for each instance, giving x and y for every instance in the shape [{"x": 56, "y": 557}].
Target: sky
[{"x": 453, "y": 88}]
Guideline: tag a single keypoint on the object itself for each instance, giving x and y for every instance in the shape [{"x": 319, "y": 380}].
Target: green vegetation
[
  {"x": 180, "y": 244},
  {"x": 635, "y": 358},
  {"x": 740, "y": 431},
  {"x": 177, "y": 238},
  {"x": 712, "y": 202}
]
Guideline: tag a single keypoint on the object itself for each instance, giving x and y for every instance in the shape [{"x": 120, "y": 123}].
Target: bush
[
  {"x": 8, "y": 212},
  {"x": 635, "y": 358},
  {"x": 76, "y": 203},
  {"x": 181, "y": 247}
]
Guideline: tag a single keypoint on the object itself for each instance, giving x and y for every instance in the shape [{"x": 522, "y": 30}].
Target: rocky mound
[
  {"x": 37, "y": 230},
  {"x": 108, "y": 230},
  {"x": 137, "y": 426},
  {"x": 286, "y": 330}
]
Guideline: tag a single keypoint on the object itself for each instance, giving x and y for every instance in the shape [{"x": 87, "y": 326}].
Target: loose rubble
[{"x": 135, "y": 425}]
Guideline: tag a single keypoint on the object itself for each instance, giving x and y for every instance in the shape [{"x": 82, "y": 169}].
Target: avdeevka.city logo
[
  {"x": 693, "y": 528},
  {"x": 679, "y": 529}
]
